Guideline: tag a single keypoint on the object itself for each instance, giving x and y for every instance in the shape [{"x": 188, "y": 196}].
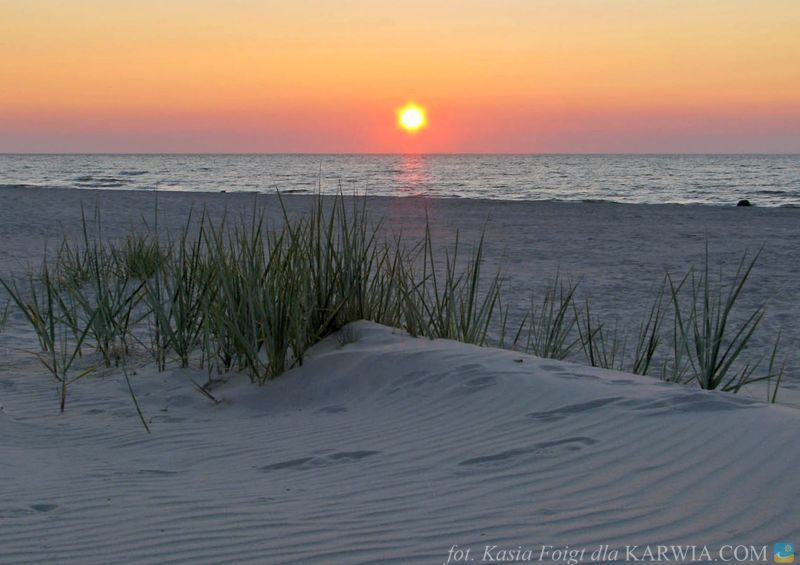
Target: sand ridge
[{"x": 388, "y": 449}]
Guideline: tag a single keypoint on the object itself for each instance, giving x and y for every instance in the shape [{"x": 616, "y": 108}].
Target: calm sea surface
[{"x": 766, "y": 180}]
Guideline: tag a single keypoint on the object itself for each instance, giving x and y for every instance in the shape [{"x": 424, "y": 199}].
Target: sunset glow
[
  {"x": 307, "y": 76},
  {"x": 411, "y": 117}
]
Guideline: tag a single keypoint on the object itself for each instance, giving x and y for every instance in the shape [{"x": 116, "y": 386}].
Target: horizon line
[{"x": 396, "y": 153}]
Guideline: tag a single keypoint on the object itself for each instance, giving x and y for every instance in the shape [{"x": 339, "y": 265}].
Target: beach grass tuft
[
  {"x": 551, "y": 323},
  {"x": 706, "y": 331},
  {"x": 244, "y": 294}
]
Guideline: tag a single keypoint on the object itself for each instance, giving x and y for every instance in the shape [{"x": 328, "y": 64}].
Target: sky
[{"x": 495, "y": 76}]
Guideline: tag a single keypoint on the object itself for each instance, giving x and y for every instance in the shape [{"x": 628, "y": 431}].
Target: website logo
[{"x": 783, "y": 553}]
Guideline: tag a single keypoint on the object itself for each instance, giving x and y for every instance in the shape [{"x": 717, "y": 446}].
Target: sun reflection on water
[{"x": 411, "y": 175}]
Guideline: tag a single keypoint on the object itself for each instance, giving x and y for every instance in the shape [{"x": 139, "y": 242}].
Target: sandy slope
[{"x": 387, "y": 449}]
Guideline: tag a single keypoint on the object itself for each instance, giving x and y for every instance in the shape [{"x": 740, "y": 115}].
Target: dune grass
[
  {"x": 241, "y": 294},
  {"x": 706, "y": 331},
  {"x": 551, "y": 324},
  {"x": 54, "y": 318}
]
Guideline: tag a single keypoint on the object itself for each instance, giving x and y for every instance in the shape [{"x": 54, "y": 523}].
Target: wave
[
  {"x": 88, "y": 181},
  {"x": 33, "y": 186}
]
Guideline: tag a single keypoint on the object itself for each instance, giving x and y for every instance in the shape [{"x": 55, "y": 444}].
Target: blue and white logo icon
[{"x": 783, "y": 553}]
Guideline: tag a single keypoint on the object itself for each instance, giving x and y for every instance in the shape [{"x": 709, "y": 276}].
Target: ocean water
[{"x": 765, "y": 180}]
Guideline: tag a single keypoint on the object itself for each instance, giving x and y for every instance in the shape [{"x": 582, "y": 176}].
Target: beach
[
  {"x": 618, "y": 254},
  {"x": 386, "y": 448}
]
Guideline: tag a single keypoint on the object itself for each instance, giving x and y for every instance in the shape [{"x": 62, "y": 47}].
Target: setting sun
[{"x": 411, "y": 117}]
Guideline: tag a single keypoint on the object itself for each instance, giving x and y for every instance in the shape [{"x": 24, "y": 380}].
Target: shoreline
[{"x": 331, "y": 194}]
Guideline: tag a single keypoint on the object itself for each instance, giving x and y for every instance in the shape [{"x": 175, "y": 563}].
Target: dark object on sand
[{"x": 743, "y": 203}]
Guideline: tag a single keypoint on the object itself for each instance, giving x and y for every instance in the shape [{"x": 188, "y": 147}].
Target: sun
[{"x": 411, "y": 118}]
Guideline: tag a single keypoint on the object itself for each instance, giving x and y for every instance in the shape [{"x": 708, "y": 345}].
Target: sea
[{"x": 719, "y": 180}]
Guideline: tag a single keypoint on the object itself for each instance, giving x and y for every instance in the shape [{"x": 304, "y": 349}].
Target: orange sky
[{"x": 327, "y": 76}]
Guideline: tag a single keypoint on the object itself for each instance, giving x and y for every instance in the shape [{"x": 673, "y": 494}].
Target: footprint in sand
[
  {"x": 690, "y": 402},
  {"x": 570, "y": 409},
  {"x": 331, "y": 410},
  {"x": 479, "y": 383},
  {"x": 156, "y": 472},
  {"x": 304, "y": 463},
  {"x": 545, "y": 448},
  {"x": 7, "y": 386}
]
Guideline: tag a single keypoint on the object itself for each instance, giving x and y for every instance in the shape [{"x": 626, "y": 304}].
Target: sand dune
[{"x": 388, "y": 449}]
